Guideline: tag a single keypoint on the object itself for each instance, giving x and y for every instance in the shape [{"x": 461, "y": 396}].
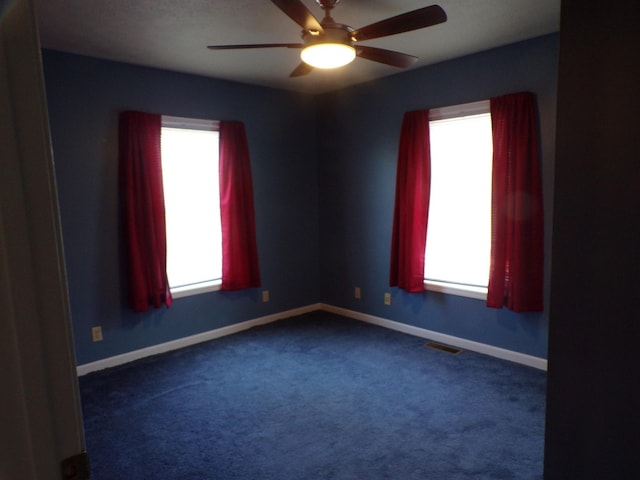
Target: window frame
[
  {"x": 187, "y": 123},
  {"x": 451, "y": 288}
]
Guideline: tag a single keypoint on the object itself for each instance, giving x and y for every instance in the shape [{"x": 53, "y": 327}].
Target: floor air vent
[{"x": 443, "y": 348}]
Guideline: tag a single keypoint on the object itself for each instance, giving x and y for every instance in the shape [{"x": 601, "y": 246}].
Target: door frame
[{"x": 40, "y": 403}]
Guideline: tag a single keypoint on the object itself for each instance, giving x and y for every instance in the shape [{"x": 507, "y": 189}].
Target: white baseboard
[
  {"x": 191, "y": 340},
  {"x": 536, "y": 362},
  {"x": 504, "y": 354}
]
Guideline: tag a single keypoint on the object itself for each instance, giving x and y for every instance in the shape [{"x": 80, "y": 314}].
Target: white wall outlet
[
  {"x": 265, "y": 295},
  {"x": 357, "y": 293},
  {"x": 387, "y": 298},
  {"x": 96, "y": 334}
]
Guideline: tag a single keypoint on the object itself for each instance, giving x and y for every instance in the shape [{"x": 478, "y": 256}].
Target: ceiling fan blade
[
  {"x": 255, "y": 45},
  {"x": 388, "y": 57},
  {"x": 300, "y": 70},
  {"x": 406, "y": 22},
  {"x": 300, "y": 14}
]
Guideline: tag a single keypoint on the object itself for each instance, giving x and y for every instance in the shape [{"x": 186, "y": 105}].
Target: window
[
  {"x": 458, "y": 248},
  {"x": 192, "y": 205}
]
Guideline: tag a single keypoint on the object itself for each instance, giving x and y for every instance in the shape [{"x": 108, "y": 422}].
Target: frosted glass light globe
[{"x": 328, "y": 55}]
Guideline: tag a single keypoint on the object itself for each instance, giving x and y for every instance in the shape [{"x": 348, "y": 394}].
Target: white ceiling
[{"x": 173, "y": 34}]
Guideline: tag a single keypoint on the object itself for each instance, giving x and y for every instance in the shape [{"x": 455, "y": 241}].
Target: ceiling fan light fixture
[{"x": 328, "y": 55}]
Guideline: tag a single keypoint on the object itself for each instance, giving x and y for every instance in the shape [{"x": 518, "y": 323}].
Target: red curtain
[
  {"x": 516, "y": 277},
  {"x": 142, "y": 197},
  {"x": 411, "y": 211},
  {"x": 239, "y": 248}
]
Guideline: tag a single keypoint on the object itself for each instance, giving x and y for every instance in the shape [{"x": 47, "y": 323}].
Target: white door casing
[{"x": 40, "y": 415}]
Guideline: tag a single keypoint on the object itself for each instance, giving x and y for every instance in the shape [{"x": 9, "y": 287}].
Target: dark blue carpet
[{"x": 315, "y": 397}]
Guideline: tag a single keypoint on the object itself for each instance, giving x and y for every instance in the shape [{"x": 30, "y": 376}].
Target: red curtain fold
[
  {"x": 239, "y": 247},
  {"x": 516, "y": 274},
  {"x": 411, "y": 210},
  {"x": 143, "y": 204}
]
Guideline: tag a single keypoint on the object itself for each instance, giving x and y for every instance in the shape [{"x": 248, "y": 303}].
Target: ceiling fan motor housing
[{"x": 333, "y": 33}]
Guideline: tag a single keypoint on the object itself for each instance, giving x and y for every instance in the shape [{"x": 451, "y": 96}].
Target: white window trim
[
  {"x": 169, "y": 121},
  {"x": 469, "y": 291},
  {"x": 196, "y": 288},
  {"x": 442, "y": 113},
  {"x": 462, "y": 110},
  {"x": 190, "y": 123}
]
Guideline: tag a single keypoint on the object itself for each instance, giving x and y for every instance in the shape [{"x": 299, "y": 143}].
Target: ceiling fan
[{"x": 327, "y": 44}]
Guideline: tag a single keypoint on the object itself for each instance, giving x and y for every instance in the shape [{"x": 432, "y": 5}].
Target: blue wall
[
  {"x": 85, "y": 96},
  {"x": 324, "y": 178},
  {"x": 359, "y": 130}
]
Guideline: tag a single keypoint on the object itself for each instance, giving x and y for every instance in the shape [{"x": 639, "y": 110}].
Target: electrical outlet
[
  {"x": 387, "y": 299},
  {"x": 265, "y": 295},
  {"x": 96, "y": 334},
  {"x": 357, "y": 293}
]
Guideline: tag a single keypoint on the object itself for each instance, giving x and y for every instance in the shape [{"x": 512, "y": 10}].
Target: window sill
[
  {"x": 479, "y": 293},
  {"x": 196, "y": 289}
]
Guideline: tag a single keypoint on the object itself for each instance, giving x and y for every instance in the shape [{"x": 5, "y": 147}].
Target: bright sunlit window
[
  {"x": 192, "y": 205},
  {"x": 458, "y": 249}
]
